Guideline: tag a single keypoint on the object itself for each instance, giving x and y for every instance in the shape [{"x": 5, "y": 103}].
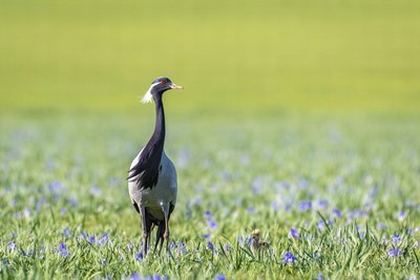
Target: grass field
[
  {"x": 348, "y": 188},
  {"x": 298, "y": 118}
]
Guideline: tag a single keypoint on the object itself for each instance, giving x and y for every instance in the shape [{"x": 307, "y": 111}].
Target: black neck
[
  {"x": 146, "y": 171},
  {"x": 159, "y": 132}
]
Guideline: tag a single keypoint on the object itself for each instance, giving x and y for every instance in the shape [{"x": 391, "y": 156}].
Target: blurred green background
[
  {"x": 327, "y": 92},
  {"x": 233, "y": 57}
]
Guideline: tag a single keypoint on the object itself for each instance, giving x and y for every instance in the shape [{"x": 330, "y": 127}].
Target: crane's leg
[
  {"x": 159, "y": 236},
  {"x": 147, "y": 225},
  {"x": 167, "y": 210},
  {"x": 149, "y": 232},
  {"x": 166, "y": 233}
]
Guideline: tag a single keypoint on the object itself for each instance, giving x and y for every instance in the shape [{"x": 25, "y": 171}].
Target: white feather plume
[{"x": 148, "y": 97}]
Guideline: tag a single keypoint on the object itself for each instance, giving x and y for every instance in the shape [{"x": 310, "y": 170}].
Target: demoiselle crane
[{"x": 152, "y": 179}]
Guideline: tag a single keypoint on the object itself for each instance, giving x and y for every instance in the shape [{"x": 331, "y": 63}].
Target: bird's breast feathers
[{"x": 164, "y": 191}]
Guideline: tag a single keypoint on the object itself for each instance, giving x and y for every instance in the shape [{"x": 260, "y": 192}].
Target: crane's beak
[{"x": 174, "y": 86}]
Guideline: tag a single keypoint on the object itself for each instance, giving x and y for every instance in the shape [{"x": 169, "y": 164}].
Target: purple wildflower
[
  {"x": 84, "y": 235},
  {"x": 139, "y": 256},
  {"x": 11, "y": 245},
  {"x": 212, "y": 224},
  {"x": 305, "y": 205},
  {"x": 63, "y": 211},
  {"x": 91, "y": 239},
  {"x": 56, "y": 187},
  {"x": 394, "y": 252},
  {"x": 303, "y": 183},
  {"x": 257, "y": 185},
  {"x": 401, "y": 216},
  {"x": 208, "y": 214},
  {"x": 337, "y": 213},
  {"x": 210, "y": 246},
  {"x": 130, "y": 246},
  {"x": 288, "y": 206},
  {"x": 172, "y": 245},
  {"x": 113, "y": 181},
  {"x": 294, "y": 233},
  {"x": 362, "y": 234},
  {"x": 95, "y": 191},
  {"x": 225, "y": 176},
  {"x": 67, "y": 232},
  {"x": 250, "y": 210},
  {"x": 373, "y": 193},
  {"x": 220, "y": 277},
  {"x": 196, "y": 201},
  {"x": 357, "y": 213},
  {"x": 322, "y": 203},
  {"x": 381, "y": 226},
  {"x": 62, "y": 250},
  {"x": 244, "y": 241},
  {"x": 282, "y": 185},
  {"x": 275, "y": 205},
  {"x": 320, "y": 225},
  {"x": 289, "y": 258},
  {"x": 73, "y": 201},
  {"x": 104, "y": 239},
  {"x": 227, "y": 247},
  {"x": 182, "y": 248},
  {"x": 39, "y": 204},
  {"x": 396, "y": 238},
  {"x": 135, "y": 276},
  {"x": 183, "y": 159},
  {"x": 206, "y": 236},
  {"x": 320, "y": 276}
]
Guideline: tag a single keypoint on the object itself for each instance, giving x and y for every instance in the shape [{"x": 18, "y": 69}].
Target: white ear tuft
[{"x": 148, "y": 97}]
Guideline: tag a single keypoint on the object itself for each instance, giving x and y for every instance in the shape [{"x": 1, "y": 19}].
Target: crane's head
[{"x": 158, "y": 87}]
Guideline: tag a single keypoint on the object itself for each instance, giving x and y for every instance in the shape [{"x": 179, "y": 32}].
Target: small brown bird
[{"x": 256, "y": 242}]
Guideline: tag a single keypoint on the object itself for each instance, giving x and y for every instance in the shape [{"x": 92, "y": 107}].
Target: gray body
[
  {"x": 152, "y": 182},
  {"x": 156, "y": 200}
]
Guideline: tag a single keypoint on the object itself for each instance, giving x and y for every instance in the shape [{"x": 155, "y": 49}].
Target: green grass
[
  {"x": 252, "y": 175},
  {"x": 285, "y": 103}
]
